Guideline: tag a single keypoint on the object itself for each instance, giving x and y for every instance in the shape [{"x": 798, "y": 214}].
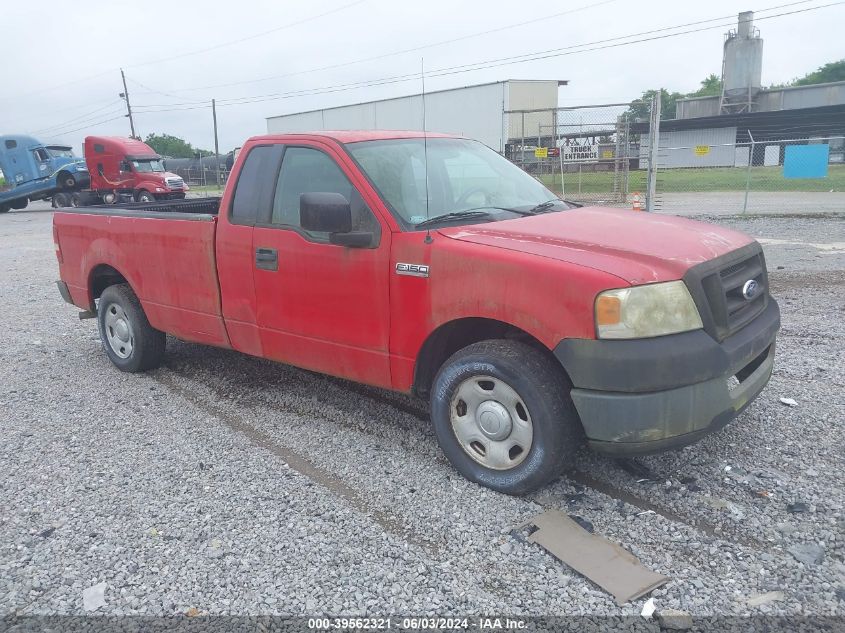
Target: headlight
[{"x": 646, "y": 311}]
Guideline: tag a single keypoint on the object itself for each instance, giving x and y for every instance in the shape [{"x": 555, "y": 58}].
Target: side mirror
[{"x": 324, "y": 212}]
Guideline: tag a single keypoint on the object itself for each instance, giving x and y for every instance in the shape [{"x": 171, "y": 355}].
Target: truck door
[
  {"x": 322, "y": 306},
  {"x": 41, "y": 160}
]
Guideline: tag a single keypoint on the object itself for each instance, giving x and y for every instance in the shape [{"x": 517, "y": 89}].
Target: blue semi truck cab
[{"x": 31, "y": 170}]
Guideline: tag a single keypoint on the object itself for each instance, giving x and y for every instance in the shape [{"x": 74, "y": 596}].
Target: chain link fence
[
  {"x": 599, "y": 155},
  {"x": 584, "y": 153},
  {"x": 727, "y": 171}
]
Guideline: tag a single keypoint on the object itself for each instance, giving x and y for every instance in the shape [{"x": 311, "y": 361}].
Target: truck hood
[{"x": 637, "y": 247}]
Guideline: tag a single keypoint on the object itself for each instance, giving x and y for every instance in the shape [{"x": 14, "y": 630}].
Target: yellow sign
[
  {"x": 541, "y": 152},
  {"x": 607, "y": 153},
  {"x": 702, "y": 150}
]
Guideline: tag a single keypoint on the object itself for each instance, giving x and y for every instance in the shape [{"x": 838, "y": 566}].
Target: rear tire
[
  {"x": 503, "y": 417},
  {"x": 130, "y": 342},
  {"x": 60, "y": 200},
  {"x": 76, "y": 200}
]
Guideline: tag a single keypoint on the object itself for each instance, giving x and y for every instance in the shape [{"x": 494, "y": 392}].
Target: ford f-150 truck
[{"x": 434, "y": 266}]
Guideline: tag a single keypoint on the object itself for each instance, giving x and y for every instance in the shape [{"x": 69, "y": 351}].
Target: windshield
[
  {"x": 462, "y": 175},
  {"x": 148, "y": 165},
  {"x": 60, "y": 152}
]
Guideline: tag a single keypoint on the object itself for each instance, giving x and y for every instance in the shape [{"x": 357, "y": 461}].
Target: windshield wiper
[
  {"x": 468, "y": 213},
  {"x": 539, "y": 208}
]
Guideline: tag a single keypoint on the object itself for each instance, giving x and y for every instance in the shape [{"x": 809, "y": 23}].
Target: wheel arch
[
  {"x": 453, "y": 335},
  {"x": 101, "y": 277}
]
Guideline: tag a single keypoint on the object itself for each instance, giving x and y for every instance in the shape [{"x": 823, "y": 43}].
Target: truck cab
[
  {"x": 31, "y": 170},
  {"x": 124, "y": 166}
]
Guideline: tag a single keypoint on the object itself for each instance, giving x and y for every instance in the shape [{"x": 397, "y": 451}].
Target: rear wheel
[
  {"x": 60, "y": 200},
  {"x": 75, "y": 200},
  {"x": 503, "y": 417},
  {"x": 131, "y": 343},
  {"x": 144, "y": 196}
]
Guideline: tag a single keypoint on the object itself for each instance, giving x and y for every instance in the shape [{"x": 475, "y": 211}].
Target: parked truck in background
[
  {"x": 31, "y": 170},
  {"x": 125, "y": 169},
  {"x": 434, "y": 266}
]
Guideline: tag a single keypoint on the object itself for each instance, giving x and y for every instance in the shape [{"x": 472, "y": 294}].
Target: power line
[
  {"x": 57, "y": 86},
  {"x": 473, "y": 35},
  {"x": 568, "y": 50},
  {"x": 406, "y": 50},
  {"x": 81, "y": 117},
  {"x": 517, "y": 59},
  {"x": 90, "y": 125},
  {"x": 187, "y": 54},
  {"x": 249, "y": 37}
]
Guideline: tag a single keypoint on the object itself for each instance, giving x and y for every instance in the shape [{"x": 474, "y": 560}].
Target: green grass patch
[
  {"x": 701, "y": 179},
  {"x": 207, "y": 190}
]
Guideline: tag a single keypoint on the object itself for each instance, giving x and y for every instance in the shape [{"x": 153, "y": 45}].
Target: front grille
[
  {"x": 717, "y": 288},
  {"x": 175, "y": 183}
]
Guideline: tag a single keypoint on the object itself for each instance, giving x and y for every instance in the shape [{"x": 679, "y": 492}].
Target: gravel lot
[{"x": 227, "y": 484}]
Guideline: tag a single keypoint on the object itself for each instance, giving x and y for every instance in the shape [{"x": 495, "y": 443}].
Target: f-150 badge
[{"x": 413, "y": 270}]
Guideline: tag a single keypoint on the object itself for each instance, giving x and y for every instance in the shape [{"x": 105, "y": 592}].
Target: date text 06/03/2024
[{"x": 416, "y": 624}]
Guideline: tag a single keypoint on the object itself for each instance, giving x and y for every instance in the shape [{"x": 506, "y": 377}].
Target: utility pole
[
  {"x": 216, "y": 147},
  {"x": 125, "y": 95}
]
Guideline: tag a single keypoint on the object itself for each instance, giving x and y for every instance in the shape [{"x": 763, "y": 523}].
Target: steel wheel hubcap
[
  {"x": 491, "y": 422},
  {"x": 119, "y": 331}
]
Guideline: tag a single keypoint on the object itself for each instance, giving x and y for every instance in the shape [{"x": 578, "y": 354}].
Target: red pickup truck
[{"x": 434, "y": 266}]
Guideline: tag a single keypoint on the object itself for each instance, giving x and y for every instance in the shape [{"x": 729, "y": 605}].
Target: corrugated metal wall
[
  {"x": 714, "y": 147},
  {"x": 475, "y": 112}
]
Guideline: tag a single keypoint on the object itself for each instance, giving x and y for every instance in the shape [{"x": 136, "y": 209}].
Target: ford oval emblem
[{"x": 750, "y": 289}]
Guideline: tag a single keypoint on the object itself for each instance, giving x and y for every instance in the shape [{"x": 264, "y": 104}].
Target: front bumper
[{"x": 649, "y": 395}]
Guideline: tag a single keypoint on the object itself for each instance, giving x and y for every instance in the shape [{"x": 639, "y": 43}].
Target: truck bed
[{"x": 164, "y": 250}]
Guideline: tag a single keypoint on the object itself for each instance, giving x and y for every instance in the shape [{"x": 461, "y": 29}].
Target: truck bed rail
[{"x": 199, "y": 209}]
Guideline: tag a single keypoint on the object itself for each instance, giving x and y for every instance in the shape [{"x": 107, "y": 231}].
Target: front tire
[
  {"x": 503, "y": 417},
  {"x": 130, "y": 342},
  {"x": 144, "y": 196}
]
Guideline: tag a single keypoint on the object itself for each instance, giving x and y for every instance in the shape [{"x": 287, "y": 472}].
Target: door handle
[{"x": 267, "y": 258}]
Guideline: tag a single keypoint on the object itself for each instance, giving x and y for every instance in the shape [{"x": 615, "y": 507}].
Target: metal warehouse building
[{"x": 494, "y": 113}]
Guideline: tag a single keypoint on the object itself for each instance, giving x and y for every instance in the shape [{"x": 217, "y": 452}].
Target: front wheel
[
  {"x": 502, "y": 415},
  {"x": 131, "y": 343},
  {"x": 144, "y": 196}
]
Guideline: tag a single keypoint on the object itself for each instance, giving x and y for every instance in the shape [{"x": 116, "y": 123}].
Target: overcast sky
[{"x": 61, "y": 61}]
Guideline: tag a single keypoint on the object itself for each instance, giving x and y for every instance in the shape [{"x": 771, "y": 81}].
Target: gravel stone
[
  {"x": 674, "y": 619},
  {"x": 807, "y": 553},
  {"x": 232, "y": 485}
]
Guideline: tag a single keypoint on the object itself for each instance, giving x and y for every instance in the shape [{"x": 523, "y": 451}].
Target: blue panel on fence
[{"x": 806, "y": 161}]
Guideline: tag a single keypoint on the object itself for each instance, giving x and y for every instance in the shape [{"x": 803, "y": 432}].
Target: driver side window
[{"x": 307, "y": 170}]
